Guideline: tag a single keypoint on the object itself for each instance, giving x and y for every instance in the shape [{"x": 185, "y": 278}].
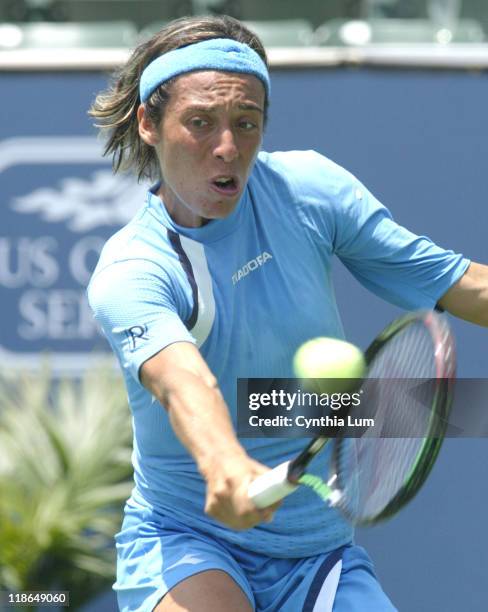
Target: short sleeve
[
  {"x": 139, "y": 310},
  {"x": 389, "y": 260},
  {"x": 397, "y": 265}
]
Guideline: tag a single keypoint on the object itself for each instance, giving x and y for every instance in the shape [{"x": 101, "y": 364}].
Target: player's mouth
[{"x": 227, "y": 185}]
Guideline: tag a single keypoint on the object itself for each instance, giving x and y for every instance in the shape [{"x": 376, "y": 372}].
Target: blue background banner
[{"x": 416, "y": 138}]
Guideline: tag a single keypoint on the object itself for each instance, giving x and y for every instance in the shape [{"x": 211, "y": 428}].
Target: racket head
[{"x": 377, "y": 476}]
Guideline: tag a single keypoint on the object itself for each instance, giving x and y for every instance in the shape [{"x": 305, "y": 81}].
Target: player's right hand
[{"x": 227, "y": 499}]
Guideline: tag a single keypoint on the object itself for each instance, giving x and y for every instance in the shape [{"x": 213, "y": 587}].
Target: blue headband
[{"x": 216, "y": 54}]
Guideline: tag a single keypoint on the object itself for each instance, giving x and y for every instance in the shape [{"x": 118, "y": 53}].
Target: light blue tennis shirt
[{"x": 248, "y": 290}]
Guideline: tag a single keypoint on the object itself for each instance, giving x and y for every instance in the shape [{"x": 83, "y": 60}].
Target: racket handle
[{"x": 271, "y": 487}]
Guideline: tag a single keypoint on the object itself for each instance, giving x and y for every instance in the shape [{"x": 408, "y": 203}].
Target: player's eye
[
  {"x": 198, "y": 122},
  {"x": 247, "y": 125}
]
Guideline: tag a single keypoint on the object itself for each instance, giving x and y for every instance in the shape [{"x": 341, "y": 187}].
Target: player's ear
[{"x": 147, "y": 130}]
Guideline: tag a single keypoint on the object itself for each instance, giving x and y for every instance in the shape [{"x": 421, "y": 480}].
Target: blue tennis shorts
[{"x": 155, "y": 553}]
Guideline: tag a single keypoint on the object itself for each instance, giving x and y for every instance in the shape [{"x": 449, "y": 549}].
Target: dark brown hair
[{"x": 115, "y": 109}]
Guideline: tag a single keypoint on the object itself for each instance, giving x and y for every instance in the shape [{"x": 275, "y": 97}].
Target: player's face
[{"x": 208, "y": 140}]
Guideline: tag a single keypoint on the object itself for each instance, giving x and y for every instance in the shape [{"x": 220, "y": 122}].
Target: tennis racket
[{"x": 408, "y": 387}]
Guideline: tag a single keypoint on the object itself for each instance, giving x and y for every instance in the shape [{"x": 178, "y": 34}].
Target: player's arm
[
  {"x": 180, "y": 379},
  {"x": 468, "y": 298}
]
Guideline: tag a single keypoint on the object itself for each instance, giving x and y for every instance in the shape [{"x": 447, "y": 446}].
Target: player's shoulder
[
  {"x": 303, "y": 171},
  {"x": 141, "y": 245},
  {"x": 303, "y": 180}
]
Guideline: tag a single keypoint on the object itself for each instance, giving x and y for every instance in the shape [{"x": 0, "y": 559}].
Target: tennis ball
[{"x": 337, "y": 362}]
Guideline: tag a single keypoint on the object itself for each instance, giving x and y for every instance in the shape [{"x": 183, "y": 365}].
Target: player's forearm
[
  {"x": 468, "y": 298},
  {"x": 181, "y": 381},
  {"x": 201, "y": 421}
]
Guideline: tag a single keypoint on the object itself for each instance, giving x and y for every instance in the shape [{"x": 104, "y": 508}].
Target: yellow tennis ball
[{"x": 338, "y": 363}]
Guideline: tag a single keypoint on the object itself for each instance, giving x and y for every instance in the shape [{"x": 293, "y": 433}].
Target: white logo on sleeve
[{"x": 250, "y": 266}]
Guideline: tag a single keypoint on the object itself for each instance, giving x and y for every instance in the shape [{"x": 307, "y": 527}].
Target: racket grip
[{"x": 269, "y": 488}]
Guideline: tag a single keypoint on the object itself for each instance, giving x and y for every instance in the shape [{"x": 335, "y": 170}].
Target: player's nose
[{"x": 226, "y": 147}]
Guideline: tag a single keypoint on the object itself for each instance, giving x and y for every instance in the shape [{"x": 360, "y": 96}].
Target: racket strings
[{"x": 398, "y": 393}]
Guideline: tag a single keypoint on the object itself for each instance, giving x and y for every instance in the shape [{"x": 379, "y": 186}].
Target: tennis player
[{"x": 222, "y": 274}]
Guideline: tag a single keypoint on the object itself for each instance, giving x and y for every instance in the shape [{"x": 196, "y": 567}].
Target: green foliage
[{"x": 64, "y": 473}]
